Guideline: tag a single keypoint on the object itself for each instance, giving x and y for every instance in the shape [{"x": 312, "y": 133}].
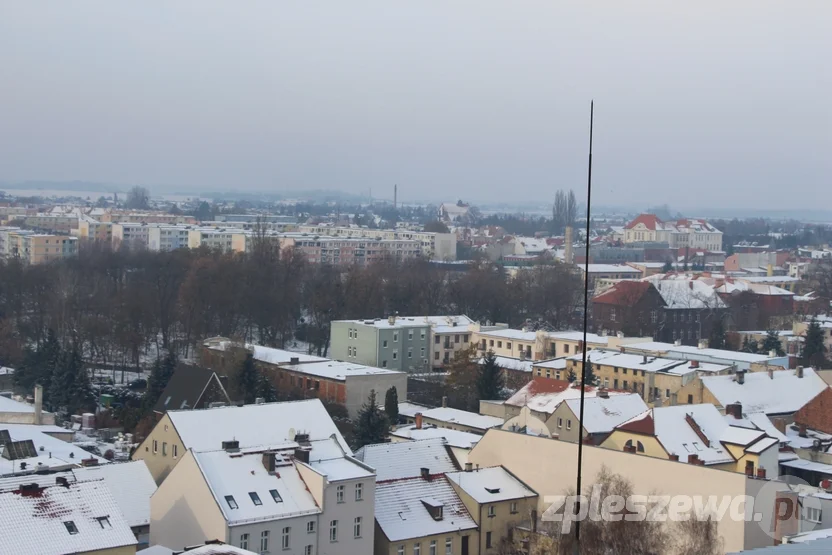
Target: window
[
  {"x": 284, "y": 537},
  {"x": 449, "y": 546},
  {"x": 488, "y": 539},
  {"x": 667, "y": 393},
  {"x": 307, "y": 550},
  {"x": 640, "y": 447},
  {"x": 400, "y": 550},
  {"x": 384, "y": 344},
  {"x": 432, "y": 550},
  {"x": 612, "y": 314},
  {"x": 490, "y": 342},
  {"x": 255, "y": 498},
  {"x": 508, "y": 346},
  {"x": 436, "y": 339},
  {"x": 499, "y": 344},
  {"x": 356, "y": 527},
  {"x": 690, "y": 399},
  {"x": 625, "y": 384},
  {"x": 333, "y": 531},
  {"x": 410, "y": 335},
  {"x": 456, "y": 338},
  {"x": 560, "y": 422},
  {"x": 395, "y": 355},
  {"x": 310, "y": 527},
  {"x": 70, "y": 527},
  {"x": 465, "y": 338},
  {"x": 339, "y": 494},
  {"x": 812, "y": 514},
  {"x": 384, "y": 364},
  {"x": 624, "y": 370},
  {"x": 513, "y": 507},
  {"x": 264, "y": 541},
  {"x": 275, "y": 495},
  {"x": 568, "y": 423},
  {"x": 566, "y": 349},
  {"x": 615, "y": 384},
  {"x": 436, "y": 355},
  {"x": 492, "y": 511},
  {"x": 230, "y": 500},
  {"x": 422, "y": 335},
  {"x": 175, "y": 450},
  {"x": 654, "y": 316},
  {"x": 422, "y": 352},
  {"x": 243, "y": 541},
  {"x": 164, "y": 448},
  {"x": 395, "y": 337},
  {"x": 359, "y": 492},
  {"x": 417, "y": 549},
  {"x": 104, "y": 522},
  {"x": 155, "y": 446},
  {"x": 410, "y": 352}
]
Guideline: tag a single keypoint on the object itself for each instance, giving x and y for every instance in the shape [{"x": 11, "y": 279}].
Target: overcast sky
[{"x": 700, "y": 102}]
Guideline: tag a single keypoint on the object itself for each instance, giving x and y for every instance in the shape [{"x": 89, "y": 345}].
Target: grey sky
[{"x": 696, "y": 102}]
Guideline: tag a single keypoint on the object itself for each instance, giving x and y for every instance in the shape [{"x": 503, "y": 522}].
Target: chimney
[
  {"x": 603, "y": 394},
  {"x": 425, "y": 473},
  {"x": 302, "y": 455},
  {"x": 734, "y": 409},
  {"x": 302, "y": 439},
  {"x": 587, "y": 440},
  {"x": 392, "y": 320},
  {"x": 468, "y": 467},
  {"x": 740, "y": 377},
  {"x": 621, "y": 349},
  {"x": 761, "y": 473},
  {"x": 62, "y": 481},
  {"x": 802, "y": 432},
  {"x": 772, "y": 353},
  {"x": 703, "y": 344},
  {"x": 232, "y": 446},
  {"x": 693, "y": 458},
  {"x": 445, "y": 402},
  {"x": 644, "y": 359},
  {"x": 567, "y": 244},
  {"x": 677, "y": 343},
  {"x": 294, "y": 361},
  {"x": 38, "y": 404},
  {"x": 673, "y": 457},
  {"x": 771, "y": 373},
  {"x": 694, "y": 364},
  {"x": 799, "y": 372},
  {"x": 418, "y": 420},
  {"x": 268, "y": 461},
  {"x": 92, "y": 461}
]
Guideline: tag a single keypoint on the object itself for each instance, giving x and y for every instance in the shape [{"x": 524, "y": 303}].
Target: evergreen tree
[
  {"x": 39, "y": 365},
  {"x": 490, "y": 380},
  {"x": 589, "y": 374},
  {"x": 717, "y": 337},
  {"x": 391, "y": 405},
  {"x": 248, "y": 380},
  {"x": 265, "y": 389},
  {"x": 668, "y": 267},
  {"x": 570, "y": 376},
  {"x": 70, "y": 385},
  {"x": 772, "y": 343},
  {"x": 814, "y": 351},
  {"x": 748, "y": 345},
  {"x": 160, "y": 375},
  {"x": 372, "y": 424}
]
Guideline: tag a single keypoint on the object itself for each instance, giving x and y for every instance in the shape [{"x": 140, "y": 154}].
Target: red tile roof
[
  {"x": 624, "y": 293},
  {"x": 540, "y": 385},
  {"x": 651, "y": 221},
  {"x": 640, "y": 425}
]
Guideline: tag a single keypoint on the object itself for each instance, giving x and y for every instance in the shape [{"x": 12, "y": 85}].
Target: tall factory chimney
[
  {"x": 567, "y": 241},
  {"x": 395, "y": 196}
]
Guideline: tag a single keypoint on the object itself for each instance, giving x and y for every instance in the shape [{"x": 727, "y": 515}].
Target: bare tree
[{"x": 138, "y": 198}]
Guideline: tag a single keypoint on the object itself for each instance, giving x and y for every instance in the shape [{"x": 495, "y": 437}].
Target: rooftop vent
[
  {"x": 231, "y": 445},
  {"x": 294, "y": 361}
]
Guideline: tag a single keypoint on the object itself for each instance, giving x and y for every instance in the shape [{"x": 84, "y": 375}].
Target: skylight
[
  {"x": 70, "y": 527},
  {"x": 104, "y": 522},
  {"x": 685, "y": 445},
  {"x": 276, "y": 496},
  {"x": 255, "y": 498},
  {"x": 230, "y": 500}
]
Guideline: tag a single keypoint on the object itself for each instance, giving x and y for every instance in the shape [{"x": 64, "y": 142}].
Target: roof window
[
  {"x": 255, "y": 498},
  {"x": 231, "y": 502}
]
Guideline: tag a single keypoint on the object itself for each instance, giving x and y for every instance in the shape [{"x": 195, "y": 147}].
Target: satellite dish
[{"x": 291, "y": 434}]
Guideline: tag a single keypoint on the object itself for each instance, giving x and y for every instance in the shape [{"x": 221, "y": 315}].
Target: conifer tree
[
  {"x": 814, "y": 351},
  {"x": 772, "y": 343},
  {"x": 490, "y": 380},
  {"x": 589, "y": 374},
  {"x": 372, "y": 424},
  {"x": 248, "y": 380},
  {"x": 717, "y": 338},
  {"x": 391, "y": 405}
]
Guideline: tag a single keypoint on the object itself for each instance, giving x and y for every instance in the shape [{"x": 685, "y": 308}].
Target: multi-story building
[
  {"x": 60, "y": 223},
  {"x": 538, "y": 345},
  {"x": 350, "y": 250},
  {"x": 448, "y": 335},
  {"x": 300, "y": 496},
  {"x": 35, "y": 248},
  {"x": 132, "y": 235},
  {"x": 89, "y": 228},
  {"x": 167, "y": 238},
  {"x": 436, "y": 246},
  {"x": 225, "y": 240},
  {"x": 684, "y": 233},
  {"x": 395, "y": 343}
]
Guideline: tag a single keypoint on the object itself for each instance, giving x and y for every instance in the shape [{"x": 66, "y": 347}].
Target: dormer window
[
  {"x": 492, "y": 490},
  {"x": 255, "y": 498},
  {"x": 231, "y": 502},
  {"x": 435, "y": 508}
]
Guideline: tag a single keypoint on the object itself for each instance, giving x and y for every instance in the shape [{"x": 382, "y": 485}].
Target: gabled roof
[
  {"x": 401, "y": 510},
  {"x": 254, "y": 425},
  {"x": 186, "y": 387},
  {"x": 650, "y": 221},
  {"x": 624, "y": 293},
  {"x": 489, "y": 485},
  {"x": 454, "y": 438},
  {"x": 52, "y": 453},
  {"x": 130, "y": 484},
  {"x": 394, "y": 461},
  {"x": 463, "y": 418},
  {"x": 603, "y": 414},
  {"x": 55, "y": 520},
  {"x": 782, "y": 393},
  {"x": 545, "y": 395}
]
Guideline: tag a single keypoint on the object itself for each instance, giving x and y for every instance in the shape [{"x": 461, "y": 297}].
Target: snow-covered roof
[
  {"x": 602, "y": 415},
  {"x": 405, "y": 459},
  {"x": 760, "y": 421},
  {"x": 783, "y": 393},
  {"x": 401, "y": 513},
  {"x": 444, "y": 324},
  {"x": 511, "y": 334},
  {"x": 694, "y": 353},
  {"x": 545, "y": 395},
  {"x": 242, "y": 487},
  {"x": 687, "y": 294},
  {"x": 811, "y": 466},
  {"x": 490, "y": 485},
  {"x": 463, "y": 418},
  {"x": 532, "y": 244},
  {"x": 209, "y": 549},
  {"x": 271, "y": 355},
  {"x": 384, "y": 323},
  {"x": 337, "y": 370},
  {"x": 10, "y": 405},
  {"x": 745, "y": 284},
  {"x": 610, "y": 269},
  {"x": 511, "y": 363},
  {"x": 58, "y": 519},
  {"x": 130, "y": 484},
  {"x": 409, "y": 410},
  {"x": 553, "y": 364},
  {"x": 206, "y": 429},
  {"x": 52, "y": 453},
  {"x": 454, "y": 438}
]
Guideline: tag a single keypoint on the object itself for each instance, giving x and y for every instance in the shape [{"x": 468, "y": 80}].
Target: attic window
[
  {"x": 104, "y": 522},
  {"x": 697, "y": 446},
  {"x": 434, "y": 508},
  {"x": 255, "y": 498},
  {"x": 230, "y": 500},
  {"x": 685, "y": 445},
  {"x": 276, "y": 496},
  {"x": 492, "y": 490},
  {"x": 70, "y": 527},
  {"x": 167, "y": 401}
]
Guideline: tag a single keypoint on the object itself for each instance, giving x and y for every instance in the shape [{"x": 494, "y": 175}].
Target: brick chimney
[
  {"x": 425, "y": 473},
  {"x": 268, "y": 461},
  {"x": 761, "y": 473},
  {"x": 802, "y": 432},
  {"x": 734, "y": 409},
  {"x": 302, "y": 455},
  {"x": 603, "y": 394},
  {"x": 673, "y": 457},
  {"x": 693, "y": 458},
  {"x": 694, "y": 364},
  {"x": 740, "y": 377},
  {"x": 799, "y": 372},
  {"x": 418, "y": 418},
  {"x": 445, "y": 402}
]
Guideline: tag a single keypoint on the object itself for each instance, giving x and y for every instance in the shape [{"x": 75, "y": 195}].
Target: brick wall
[{"x": 817, "y": 413}]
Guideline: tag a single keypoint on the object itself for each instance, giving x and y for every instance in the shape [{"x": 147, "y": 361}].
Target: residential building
[
  {"x": 756, "y": 305},
  {"x": 58, "y": 223},
  {"x": 601, "y": 275},
  {"x": 529, "y": 459},
  {"x": 400, "y": 460},
  {"x": 250, "y": 426},
  {"x": 775, "y": 393},
  {"x": 19, "y": 412},
  {"x": 446, "y": 417},
  {"x": 825, "y": 323},
  {"x": 28, "y": 449},
  {"x": 690, "y": 233},
  {"x": 395, "y": 343},
  {"x": 702, "y": 353},
  {"x": 765, "y": 263},
  {"x": 131, "y": 486},
  {"x": 538, "y": 345},
  {"x": 191, "y": 387},
  {"x": 697, "y": 434},
  {"x": 301, "y": 496},
  {"x": 50, "y": 517},
  {"x": 453, "y": 212},
  {"x": 35, "y": 248},
  {"x": 130, "y": 234},
  {"x": 459, "y": 443},
  {"x": 817, "y": 413},
  {"x": 435, "y": 246},
  {"x": 93, "y": 230},
  {"x": 214, "y": 547},
  {"x": 629, "y": 307},
  {"x": 448, "y": 335},
  {"x": 498, "y": 503},
  {"x": 221, "y": 239},
  {"x": 167, "y": 238},
  {"x": 602, "y": 413},
  {"x": 691, "y": 309}
]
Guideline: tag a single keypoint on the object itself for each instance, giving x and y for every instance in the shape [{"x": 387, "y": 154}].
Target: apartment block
[
  {"x": 395, "y": 343},
  {"x": 35, "y": 248},
  {"x": 436, "y": 246}
]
